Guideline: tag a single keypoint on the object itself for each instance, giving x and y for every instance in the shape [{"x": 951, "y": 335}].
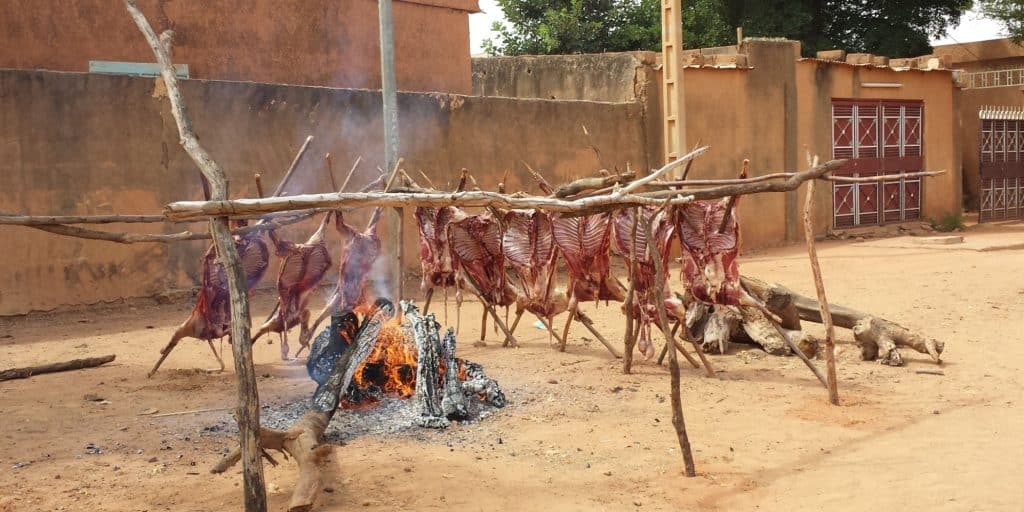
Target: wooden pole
[
  {"x": 138, "y": 238},
  {"x": 673, "y": 360},
  {"x": 77, "y": 364},
  {"x": 291, "y": 168},
  {"x": 248, "y": 398},
  {"x": 183, "y": 210},
  {"x": 819, "y": 286}
]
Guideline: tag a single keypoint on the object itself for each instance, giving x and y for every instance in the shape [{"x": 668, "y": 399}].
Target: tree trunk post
[
  {"x": 819, "y": 286},
  {"x": 248, "y": 398},
  {"x": 673, "y": 360}
]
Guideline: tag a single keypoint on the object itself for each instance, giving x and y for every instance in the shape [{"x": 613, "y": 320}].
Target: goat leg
[
  {"x": 178, "y": 335},
  {"x": 284, "y": 344},
  {"x": 426, "y": 302},
  {"x": 304, "y": 331}
]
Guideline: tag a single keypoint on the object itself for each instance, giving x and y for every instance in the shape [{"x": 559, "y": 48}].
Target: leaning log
[
  {"x": 302, "y": 440},
  {"x": 65, "y": 366},
  {"x": 876, "y": 333}
]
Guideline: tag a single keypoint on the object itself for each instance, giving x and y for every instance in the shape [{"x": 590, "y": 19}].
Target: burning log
[
  {"x": 302, "y": 440},
  {"x": 479, "y": 384}
]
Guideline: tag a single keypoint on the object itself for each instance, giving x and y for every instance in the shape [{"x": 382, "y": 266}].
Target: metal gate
[
  {"x": 1002, "y": 164},
  {"x": 879, "y": 137}
]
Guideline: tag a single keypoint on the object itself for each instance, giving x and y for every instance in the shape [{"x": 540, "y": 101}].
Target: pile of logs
[{"x": 716, "y": 327}]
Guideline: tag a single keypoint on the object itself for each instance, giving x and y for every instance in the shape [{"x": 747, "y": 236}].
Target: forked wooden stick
[
  {"x": 248, "y": 400},
  {"x": 819, "y": 286},
  {"x": 673, "y": 360}
]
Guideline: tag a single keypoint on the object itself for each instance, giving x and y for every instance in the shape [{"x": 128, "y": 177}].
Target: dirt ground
[{"x": 577, "y": 434}]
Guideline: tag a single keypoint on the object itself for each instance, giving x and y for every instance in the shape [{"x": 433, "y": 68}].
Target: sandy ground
[{"x": 578, "y": 434}]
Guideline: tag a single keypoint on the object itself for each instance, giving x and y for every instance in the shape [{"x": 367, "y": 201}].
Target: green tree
[
  {"x": 897, "y": 28},
  {"x": 1010, "y": 13},
  {"x": 545, "y": 27}
]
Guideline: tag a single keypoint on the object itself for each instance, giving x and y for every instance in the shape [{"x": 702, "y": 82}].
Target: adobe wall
[
  {"x": 627, "y": 77},
  {"x": 747, "y": 114},
  {"x": 307, "y": 42},
  {"x": 820, "y": 82},
  {"x": 611, "y": 77},
  {"x": 971, "y": 101},
  {"x": 73, "y": 143},
  {"x": 983, "y": 55}
]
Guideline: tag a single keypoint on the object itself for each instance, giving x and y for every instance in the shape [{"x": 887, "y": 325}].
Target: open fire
[{"x": 390, "y": 368}]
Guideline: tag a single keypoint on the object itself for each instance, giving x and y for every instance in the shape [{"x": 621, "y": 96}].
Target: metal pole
[{"x": 390, "y": 100}]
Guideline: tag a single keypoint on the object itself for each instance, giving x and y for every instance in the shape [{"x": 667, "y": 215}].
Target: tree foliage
[
  {"x": 897, "y": 28},
  {"x": 1010, "y": 13}
]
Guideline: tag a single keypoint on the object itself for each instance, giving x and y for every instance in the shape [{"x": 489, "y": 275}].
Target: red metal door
[
  {"x": 879, "y": 137},
  {"x": 1001, "y": 164}
]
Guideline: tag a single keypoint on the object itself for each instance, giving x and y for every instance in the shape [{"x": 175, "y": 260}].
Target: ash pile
[{"x": 410, "y": 378}]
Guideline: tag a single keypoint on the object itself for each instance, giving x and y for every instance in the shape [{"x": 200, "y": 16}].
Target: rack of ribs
[
  {"x": 644, "y": 286},
  {"x": 710, "y": 251},
  {"x": 529, "y": 247},
  {"x": 210, "y": 318},
  {"x": 302, "y": 268},
  {"x": 358, "y": 253}
]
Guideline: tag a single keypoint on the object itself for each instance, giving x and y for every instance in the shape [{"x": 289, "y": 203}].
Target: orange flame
[{"x": 391, "y": 366}]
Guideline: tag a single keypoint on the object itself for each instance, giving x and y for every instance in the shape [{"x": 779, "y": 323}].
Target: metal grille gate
[
  {"x": 879, "y": 137},
  {"x": 1002, "y": 164}
]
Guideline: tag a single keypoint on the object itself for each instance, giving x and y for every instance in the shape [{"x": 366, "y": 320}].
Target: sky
[{"x": 973, "y": 27}]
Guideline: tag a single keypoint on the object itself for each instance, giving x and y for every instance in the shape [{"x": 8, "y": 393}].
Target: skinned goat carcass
[
  {"x": 476, "y": 244},
  {"x": 584, "y": 243},
  {"x": 644, "y": 307},
  {"x": 211, "y": 316},
  {"x": 358, "y": 253},
  {"x": 711, "y": 247},
  {"x": 302, "y": 268},
  {"x": 439, "y": 265},
  {"x": 529, "y": 246}
]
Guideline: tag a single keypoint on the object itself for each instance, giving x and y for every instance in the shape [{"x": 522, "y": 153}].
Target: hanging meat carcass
[
  {"x": 211, "y": 316},
  {"x": 476, "y": 245},
  {"x": 639, "y": 248},
  {"x": 584, "y": 242},
  {"x": 358, "y": 253},
  {"x": 302, "y": 268},
  {"x": 710, "y": 250},
  {"x": 439, "y": 266},
  {"x": 529, "y": 246}
]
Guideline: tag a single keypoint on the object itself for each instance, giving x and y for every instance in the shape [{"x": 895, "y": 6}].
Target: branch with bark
[{"x": 248, "y": 400}]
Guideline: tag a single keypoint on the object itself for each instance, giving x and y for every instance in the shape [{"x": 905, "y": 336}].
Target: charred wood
[
  {"x": 453, "y": 401},
  {"x": 428, "y": 378}
]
